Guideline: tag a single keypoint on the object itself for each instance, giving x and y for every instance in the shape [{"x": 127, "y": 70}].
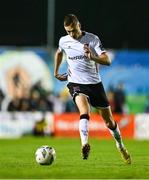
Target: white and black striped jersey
[{"x": 80, "y": 69}]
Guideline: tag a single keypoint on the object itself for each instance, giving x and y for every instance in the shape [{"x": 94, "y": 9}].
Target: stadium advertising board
[
  {"x": 14, "y": 125},
  {"x": 142, "y": 126},
  {"x": 17, "y": 124},
  {"x": 67, "y": 125}
]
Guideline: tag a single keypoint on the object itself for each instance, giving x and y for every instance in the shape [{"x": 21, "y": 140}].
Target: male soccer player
[{"x": 84, "y": 53}]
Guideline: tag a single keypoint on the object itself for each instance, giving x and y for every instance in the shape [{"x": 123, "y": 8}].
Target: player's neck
[{"x": 80, "y": 34}]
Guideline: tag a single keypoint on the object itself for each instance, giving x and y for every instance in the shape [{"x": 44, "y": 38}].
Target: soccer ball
[{"x": 45, "y": 155}]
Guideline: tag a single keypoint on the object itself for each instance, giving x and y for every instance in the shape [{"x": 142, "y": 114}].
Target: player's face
[{"x": 74, "y": 30}]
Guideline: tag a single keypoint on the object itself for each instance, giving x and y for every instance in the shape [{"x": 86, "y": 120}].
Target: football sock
[
  {"x": 83, "y": 129},
  {"x": 117, "y": 136}
]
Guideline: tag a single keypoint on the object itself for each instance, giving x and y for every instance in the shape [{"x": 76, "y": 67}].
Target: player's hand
[
  {"x": 87, "y": 51},
  {"x": 61, "y": 77}
]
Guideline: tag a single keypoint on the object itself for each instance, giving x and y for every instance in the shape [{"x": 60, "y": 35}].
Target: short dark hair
[{"x": 70, "y": 19}]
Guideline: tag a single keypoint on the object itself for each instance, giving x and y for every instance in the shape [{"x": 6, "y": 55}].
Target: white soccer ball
[{"x": 45, "y": 155}]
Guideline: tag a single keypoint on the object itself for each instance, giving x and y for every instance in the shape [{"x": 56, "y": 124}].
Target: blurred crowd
[
  {"x": 38, "y": 99},
  {"x": 117, "y": 99}
]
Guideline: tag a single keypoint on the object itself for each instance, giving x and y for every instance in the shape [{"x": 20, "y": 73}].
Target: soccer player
[{"x": 85, "y": 53}]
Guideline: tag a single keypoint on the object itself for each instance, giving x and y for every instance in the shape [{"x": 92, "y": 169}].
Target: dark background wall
[
  {"x": 23, "y": 22},
  {"x": 119, "y": 24}
]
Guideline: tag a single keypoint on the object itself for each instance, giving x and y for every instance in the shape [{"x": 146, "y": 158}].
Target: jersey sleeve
[
  {"x": 61, "y": 45},
  {"x": 98, "y": 46}
]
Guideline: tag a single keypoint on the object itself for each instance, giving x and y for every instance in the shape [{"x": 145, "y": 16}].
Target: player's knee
[{"x": 85, "y": 116}]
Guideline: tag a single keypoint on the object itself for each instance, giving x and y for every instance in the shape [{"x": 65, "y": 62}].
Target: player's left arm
[
  {"x": 100, "y": 56},
  {"x": 103, "y": 58}
]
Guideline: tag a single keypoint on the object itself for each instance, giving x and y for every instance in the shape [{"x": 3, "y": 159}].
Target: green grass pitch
[{"x": 17, "y": 160}]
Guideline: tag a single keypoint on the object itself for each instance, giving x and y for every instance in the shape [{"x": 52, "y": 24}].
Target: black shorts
[{"x": 95, "y": 93}]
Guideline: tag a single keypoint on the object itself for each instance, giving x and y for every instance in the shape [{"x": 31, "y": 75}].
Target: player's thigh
[{"x": 82, "y": 103}]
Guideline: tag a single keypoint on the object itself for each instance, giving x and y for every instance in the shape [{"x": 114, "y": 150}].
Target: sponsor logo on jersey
[{"x": 77, "y": 57}]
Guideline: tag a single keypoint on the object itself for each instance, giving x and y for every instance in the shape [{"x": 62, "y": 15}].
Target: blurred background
[{"x": 32, "y": 101}]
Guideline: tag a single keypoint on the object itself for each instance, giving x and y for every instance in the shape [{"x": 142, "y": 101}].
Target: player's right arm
[{"x": 58, "y": 60}]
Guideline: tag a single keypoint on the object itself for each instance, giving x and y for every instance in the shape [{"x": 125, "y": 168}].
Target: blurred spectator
[
  {"x": 70, "y": 106},
  {"x": 38, "y": 87},
  {"x": 44, "y": 105},
  {"x": 59, "y": 105},
  {"x": 119, "y": 99},
  {"x": 48, "y": 100},
  {"x": 14, "y": 105},
  {"x": 39, "y": 127},
  {"x": 34, "y": 100},
  {"x": 24, "y": 104}
]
